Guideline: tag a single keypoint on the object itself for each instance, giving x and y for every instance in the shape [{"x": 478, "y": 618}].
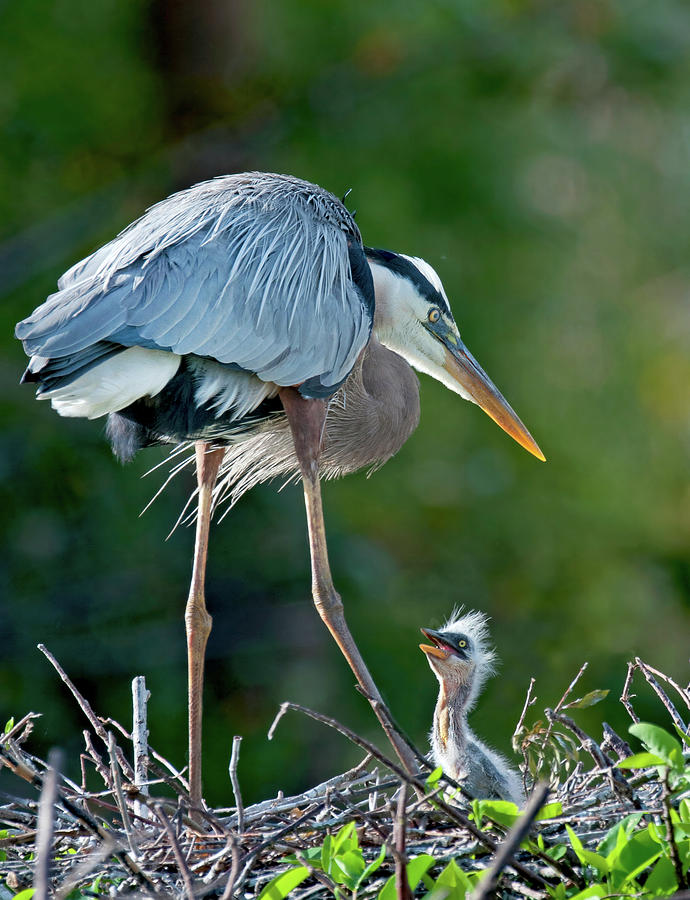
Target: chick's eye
[
  {"x": 434, "y": 315},
  {"x": 462, "y": 643}
]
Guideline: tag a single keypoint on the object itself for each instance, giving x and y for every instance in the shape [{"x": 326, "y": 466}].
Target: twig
[
  {"x": 681, "y": 877},
  {"x": 87, "y": 710},
  {"x": 487, "y": 886},
  {"x": 250, "y": 858},
  {"x": 96, "y": 758},
  {"x": 234, "y": 868},
  {"x": 620, "y": 785},
  {"x": 621, "y": 747},
  {"x": 529, "y": 701},
  {"x": 179, "y": 858},
  {"x": 402, "y": 885},
  {"x": 119, "y": 795},
  {"x": 20, "y": 768},
  {"x": 661, "y": 694},
  {"x": 684, "y": 693},
  {"x": 85, "y": 867},
  {"x": 46, "y": 826},
  {"x": 18, "y": 732},
  {"x": 235, "y": 782},
  {"x": 140, "y": 736},
  {"x": 626, "y": 695}
]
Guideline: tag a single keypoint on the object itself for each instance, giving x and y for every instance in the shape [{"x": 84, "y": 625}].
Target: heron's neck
[{"x": 450, "y": 717}]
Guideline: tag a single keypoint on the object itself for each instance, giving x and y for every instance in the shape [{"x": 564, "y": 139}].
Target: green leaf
[
  {"x": 624, "y": 828},
  {"x": 641, "y": 761},
  {"x": 662, "y": 881},
  {"x": 683, "y": 735},
  {"x": 502, "y": 811},
  {"x": 588, "y": 700},
  {"x": 433, "y": 778},
  {"x": 587, "y": 857},
  {"x": 594, "y": 890},
  {"x": 326, "y": 853},
  {"x": 372, "y": 867},
  {"x": 658, "y": 741},
  {"x": 416, "y": 868},
  {"x": 9, "y": 725},
  {"x": 549, "y": 811},
  {"x": 347, "y": 867},
  {"x": 632, "y": 857},
  {"x": 26, "y": 894},
  {"x": 281, "y": 885},
  {"x": 452, "y": 883},
  {"x": 345, "y": 839}
]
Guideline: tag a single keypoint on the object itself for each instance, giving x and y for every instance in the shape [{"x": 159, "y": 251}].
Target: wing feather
[{"x": 251, "y": 270}]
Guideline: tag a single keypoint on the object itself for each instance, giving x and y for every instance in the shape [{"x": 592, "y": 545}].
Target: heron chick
[{"x": 461, "y": 659}]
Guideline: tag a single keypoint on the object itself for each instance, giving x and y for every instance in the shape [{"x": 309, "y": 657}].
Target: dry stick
[
  {"x": 119, "y": 795},
  {"x": 560, "y": 703},
  {"x": 140, "y": 735},
  {"x": 250, "y": 857},
  {"x": 454, "y": 814},
  {"x": 670, "y": 834},
  {"x": 529, "y": 701},
  {"x": 235, "y": 782},
  {"x": 85, "y": 867},
  {"x": 19, "y": 768},
  {"x": 96, "y": 724},
  {"x": 683, "y": 692},
  {"x": 179, "y": 858},
  {"x": 15, "y": 733},
  {"x": 487, "y": 887},
  {"x": 621, "y": 747},
  {"x": 625, "y": 696},
  {"x": 661, "y": 694},
  {"x": 95, "y": 757},
  {"x": 402, "y": 885},
  {"x": 620, "y": 784},
  {"x": 234, "y": 869},
  {"x": 46, "y": 825}
]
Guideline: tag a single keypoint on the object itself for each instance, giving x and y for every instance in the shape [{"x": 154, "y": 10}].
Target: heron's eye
[
  {"x": 434, "y": 315},
  {"x": 462, "y": 643}
]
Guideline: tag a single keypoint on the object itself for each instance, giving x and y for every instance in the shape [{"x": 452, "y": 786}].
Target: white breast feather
[{"x": 115, "y": 383}]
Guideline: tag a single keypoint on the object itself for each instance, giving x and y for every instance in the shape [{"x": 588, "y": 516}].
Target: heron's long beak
[{"x": 464, "y": 368}]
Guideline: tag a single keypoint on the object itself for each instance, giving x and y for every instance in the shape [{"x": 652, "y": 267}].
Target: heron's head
[
  {"x": 459, "y": 655},
  {"x": 413, "y": 318}
]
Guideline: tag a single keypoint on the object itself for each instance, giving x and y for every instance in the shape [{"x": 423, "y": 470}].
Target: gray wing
[{"x": 251, "y": 270}]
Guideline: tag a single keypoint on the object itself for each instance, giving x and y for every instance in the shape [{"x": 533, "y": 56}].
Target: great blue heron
[
  {"x": 245, "y": 314},
  {"x": 461, "y": 659}
]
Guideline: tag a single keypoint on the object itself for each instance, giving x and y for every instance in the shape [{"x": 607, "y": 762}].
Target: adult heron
[{"x": 245, "y": 314}]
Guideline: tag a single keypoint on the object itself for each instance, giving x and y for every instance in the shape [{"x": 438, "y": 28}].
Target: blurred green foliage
[{"x": 536, "y": 153}]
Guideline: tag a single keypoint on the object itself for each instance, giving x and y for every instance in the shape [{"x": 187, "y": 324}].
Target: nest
[{"x": 128, "y": 838}]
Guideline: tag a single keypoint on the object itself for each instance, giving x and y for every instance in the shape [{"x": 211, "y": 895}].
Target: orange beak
[{"x": 464, "y": 368}]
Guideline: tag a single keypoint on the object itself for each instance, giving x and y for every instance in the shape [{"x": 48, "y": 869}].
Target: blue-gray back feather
[{"x": 252, "y": 270}]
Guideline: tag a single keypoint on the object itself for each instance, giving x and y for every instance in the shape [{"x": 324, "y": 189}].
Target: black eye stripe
[{"x": 406, "y": 269}]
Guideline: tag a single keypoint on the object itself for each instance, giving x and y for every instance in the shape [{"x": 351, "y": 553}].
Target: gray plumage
[
  {"x": 250, "y": 270},
  {"x": 462, "y": 660}
]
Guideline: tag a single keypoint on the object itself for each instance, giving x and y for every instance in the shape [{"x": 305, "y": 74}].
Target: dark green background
[{"x": 537, "y": 154}]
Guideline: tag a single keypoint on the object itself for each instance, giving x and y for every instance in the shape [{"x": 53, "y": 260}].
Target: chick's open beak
[
  {"x": 464, "y": 368},
  {"x": 433, "y": 650}
]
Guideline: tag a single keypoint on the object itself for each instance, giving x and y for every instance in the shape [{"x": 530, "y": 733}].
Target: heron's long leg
[
  {"x": 307, "y": 419},
  {"x": 197, "y": 619}
]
